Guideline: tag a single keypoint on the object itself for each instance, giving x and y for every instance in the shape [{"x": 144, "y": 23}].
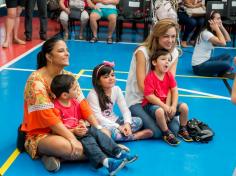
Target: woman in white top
[
  {"x": 203, "y": 61},
  {"x": 163, "y": 35},
  {"x": 102, "y": 100}
]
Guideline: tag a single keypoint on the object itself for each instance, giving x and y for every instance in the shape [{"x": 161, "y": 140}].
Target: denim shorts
[
  {"x": 151, "y": 109},
  {"x": 105, "y": 12}
]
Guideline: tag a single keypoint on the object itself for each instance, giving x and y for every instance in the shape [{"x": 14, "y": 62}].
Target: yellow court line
[
  {"x": 81, "y": 72},
  {"x": 9, "y": 161},
  {"x": 183, "y": 76}
]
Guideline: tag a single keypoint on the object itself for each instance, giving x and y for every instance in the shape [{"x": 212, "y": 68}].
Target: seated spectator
[
  {"x": 104, "y": 9},
  {"x": 46, "y": 135},
  {"x": 191, "y": 24},
  {"x": 14, "y": 9},
  {"x": 213, "y": 34},
  {"x": 100, "y": 149},
  {"x": 103, "y": 99},
  {"x": 66, "y": 5}
]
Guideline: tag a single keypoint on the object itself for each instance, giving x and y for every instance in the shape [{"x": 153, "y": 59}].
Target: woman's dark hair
[
  {"x": 99, "y": 71},
  {"x": 62, "y": 83},
  {"x": 156, "y": 54},
  {"x": 209, "y": 16},
  {"x": 46, "y": 48}
]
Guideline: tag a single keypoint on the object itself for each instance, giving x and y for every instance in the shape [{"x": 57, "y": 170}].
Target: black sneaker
[
  {"x": 170, "y": 138},
  {"x": 183, "y": 133}
]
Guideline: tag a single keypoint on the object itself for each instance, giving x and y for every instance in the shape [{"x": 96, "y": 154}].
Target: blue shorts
[
  {"x": 151, "y": 109},
  {"x": 105, "y": 12}
]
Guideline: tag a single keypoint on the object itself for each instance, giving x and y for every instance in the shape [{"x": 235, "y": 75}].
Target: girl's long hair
[{"x": 99, "y": 71}]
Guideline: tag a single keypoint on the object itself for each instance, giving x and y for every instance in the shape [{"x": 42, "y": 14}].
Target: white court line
[
  {"x": 19, "y": 57},
  {"x": 123, "y": 80},
  {"x": 181, "y": 89}
]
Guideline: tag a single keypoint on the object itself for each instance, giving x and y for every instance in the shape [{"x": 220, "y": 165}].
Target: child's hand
[
  {"x": 172, "y": 111},
  {"x": 166, "y": 109},
  {"x": 127, "y": 129},
  {"x": 80, "y": 131}
]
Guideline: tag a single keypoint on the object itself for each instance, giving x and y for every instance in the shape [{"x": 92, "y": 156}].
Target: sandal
[
  {"x": 109, "y": 40},
  {"x": 93, "y": 40}
]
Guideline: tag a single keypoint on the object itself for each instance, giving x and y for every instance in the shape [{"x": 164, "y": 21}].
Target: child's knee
[
  {"x": 160, "y": 113},
  {"x": 184, "y": 108}
]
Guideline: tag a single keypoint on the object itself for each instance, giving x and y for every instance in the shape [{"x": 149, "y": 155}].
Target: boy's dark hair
[
  {"x": 156, "y": 54},
  {"x": 99, "y": 71},
  {"x": 62, "y": 83}
]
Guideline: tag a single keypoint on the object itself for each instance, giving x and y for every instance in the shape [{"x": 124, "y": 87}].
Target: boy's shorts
[
  {"x": 151, "y": 109},
  {"x": 105, "y": 12}
]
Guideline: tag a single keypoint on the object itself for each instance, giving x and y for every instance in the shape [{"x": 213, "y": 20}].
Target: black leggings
[{"x": 15, "y": 3}]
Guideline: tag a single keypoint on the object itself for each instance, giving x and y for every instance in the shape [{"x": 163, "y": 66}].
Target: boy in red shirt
[
  {"x": 96, "y": 144},
  {"x": 158, "y": 84}
]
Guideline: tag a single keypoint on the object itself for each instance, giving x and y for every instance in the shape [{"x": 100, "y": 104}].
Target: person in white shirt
[
  {"x": 204, "y": 63},
  {"x": 102, "y": 100},
  {"x": 162, "y": 36}
]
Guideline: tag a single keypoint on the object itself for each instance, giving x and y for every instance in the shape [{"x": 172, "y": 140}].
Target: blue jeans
[
  {"x": 97, "y": 146},
  {"x": 135, "y": 125},
  {"x": 215, "y": 66},
  {"x": 190, "y": 23},
  {"x": 150, "y": 123}
]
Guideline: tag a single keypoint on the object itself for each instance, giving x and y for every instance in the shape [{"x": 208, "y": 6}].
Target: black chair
[
  {"x": 133, "y": 11},
  {"x": 231, "y": 15}
]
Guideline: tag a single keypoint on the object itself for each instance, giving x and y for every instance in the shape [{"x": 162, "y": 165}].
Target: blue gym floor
[{"x": 208, "y": 100}]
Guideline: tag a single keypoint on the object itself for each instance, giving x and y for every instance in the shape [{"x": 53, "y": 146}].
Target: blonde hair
[{"x": 158, "y": 30}]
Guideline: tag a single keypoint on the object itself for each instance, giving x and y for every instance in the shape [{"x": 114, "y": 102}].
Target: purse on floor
[
  {"x": 20, "y": 142},
  {"x": 75, "y": 13}
]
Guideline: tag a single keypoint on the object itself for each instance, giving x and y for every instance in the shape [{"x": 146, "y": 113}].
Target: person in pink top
[
  {"x": 158, "y": 83},
  {"x": 100, "y": 149}
]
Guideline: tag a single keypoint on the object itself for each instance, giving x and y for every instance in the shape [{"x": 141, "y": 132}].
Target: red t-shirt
[
  {"x": 70, "y": 116},
  {"x": 160, "y": 88}
]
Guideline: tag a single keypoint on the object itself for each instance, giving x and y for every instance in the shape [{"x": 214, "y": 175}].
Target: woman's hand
[
  {"x": 67, "y": 10},
  {"x": 214, "y": 26},
  {"x": 76, "y": 149}
]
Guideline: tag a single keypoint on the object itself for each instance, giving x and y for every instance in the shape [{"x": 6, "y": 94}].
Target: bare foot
[
  {"x": 18, "y": 41},
  {"x": 235, "y": 60},
  {"x": 5, "y": 45},
  {"x": 143, "y": 134}
]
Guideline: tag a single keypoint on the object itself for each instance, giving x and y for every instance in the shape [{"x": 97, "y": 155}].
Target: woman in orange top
[{"x": 46, "y": 134}]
